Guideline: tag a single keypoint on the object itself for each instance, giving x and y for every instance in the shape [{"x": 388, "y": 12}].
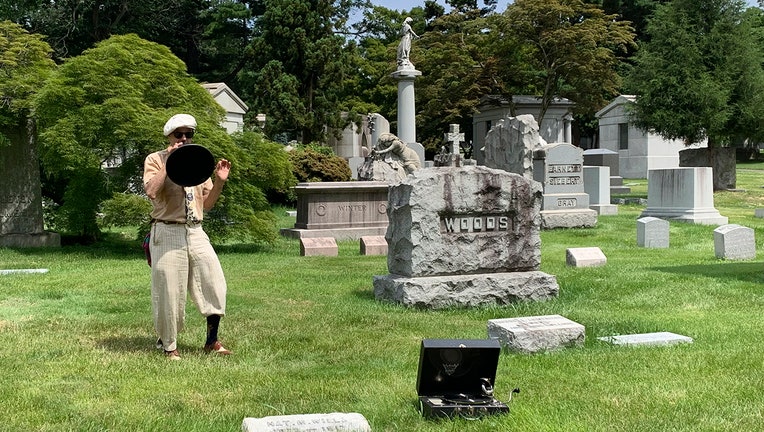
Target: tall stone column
[{"x": 406, "y": 109}]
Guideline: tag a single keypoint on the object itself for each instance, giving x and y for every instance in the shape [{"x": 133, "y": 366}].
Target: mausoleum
[
  {"x": 639, "y": 151},
  {"x": 234, "y": 107}
]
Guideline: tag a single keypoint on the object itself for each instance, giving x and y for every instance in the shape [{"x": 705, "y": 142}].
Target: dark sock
[{"x": 213, "y": 322}]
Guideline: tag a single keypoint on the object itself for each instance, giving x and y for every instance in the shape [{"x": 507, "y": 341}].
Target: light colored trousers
[{"x": 183, "y": 261}]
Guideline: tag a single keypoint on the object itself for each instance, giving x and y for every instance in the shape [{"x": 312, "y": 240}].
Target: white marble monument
[{"x": 683, "y": 195}]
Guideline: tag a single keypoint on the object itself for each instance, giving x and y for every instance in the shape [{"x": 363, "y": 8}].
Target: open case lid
[{"x": 456, "y": 366}]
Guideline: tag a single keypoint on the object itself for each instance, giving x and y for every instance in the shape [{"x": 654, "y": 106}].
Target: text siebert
[{"x": 474, "y": 223}]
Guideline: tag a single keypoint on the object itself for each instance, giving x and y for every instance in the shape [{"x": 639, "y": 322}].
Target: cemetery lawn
[{"x": 309, "y": 337}]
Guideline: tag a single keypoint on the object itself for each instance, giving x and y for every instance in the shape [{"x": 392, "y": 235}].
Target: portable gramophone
[
  {"x": 456, "y": 377},
  {"x": 190, "y": 165}
]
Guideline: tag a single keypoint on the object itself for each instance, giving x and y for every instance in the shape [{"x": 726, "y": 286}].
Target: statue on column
[{"x": 404, "y": 47}]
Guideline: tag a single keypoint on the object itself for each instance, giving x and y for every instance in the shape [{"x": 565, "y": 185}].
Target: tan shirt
[{"x": 170, "y": 203}]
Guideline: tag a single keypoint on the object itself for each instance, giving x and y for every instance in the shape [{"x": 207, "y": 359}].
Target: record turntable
[{"x": 456, "y": 377}]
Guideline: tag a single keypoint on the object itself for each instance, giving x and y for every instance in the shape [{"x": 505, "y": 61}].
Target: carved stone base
[
  {"x": 579, "y": 218},
  {"x": 45, "y": 239},
  {"x": 438, "y": 292}
]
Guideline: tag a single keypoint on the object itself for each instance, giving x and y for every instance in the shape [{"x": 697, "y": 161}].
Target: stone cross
[{"x": 453, "y": 137}]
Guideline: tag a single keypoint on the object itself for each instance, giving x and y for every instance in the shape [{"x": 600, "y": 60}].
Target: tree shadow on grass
[{"x": 746, "y": 271}]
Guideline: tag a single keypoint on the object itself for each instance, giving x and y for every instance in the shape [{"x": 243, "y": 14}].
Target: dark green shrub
[{"x": 310, "y": 164}]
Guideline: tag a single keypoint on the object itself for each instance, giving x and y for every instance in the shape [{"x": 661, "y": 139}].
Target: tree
[
  {"x": 297, "y": 67},
  {"x": 700, "y": 75},
  {"x": 567, "y": 48},
  {"x": 25, "y": 64},
  {"x": 109, "y": 104},
  {"x": 208, "y": 35},
  {"x": 457, "y": 71},
  {"x": 637, "y": 12}
]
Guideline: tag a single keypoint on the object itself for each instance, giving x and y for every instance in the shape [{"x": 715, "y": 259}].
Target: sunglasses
[{"x": 179, "y": 135}]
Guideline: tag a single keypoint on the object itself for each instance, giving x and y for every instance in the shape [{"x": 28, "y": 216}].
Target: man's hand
[{"x": 222, "y": 169}]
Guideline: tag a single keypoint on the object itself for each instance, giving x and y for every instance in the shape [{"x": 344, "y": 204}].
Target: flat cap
[{"x": 178, "y": 121}]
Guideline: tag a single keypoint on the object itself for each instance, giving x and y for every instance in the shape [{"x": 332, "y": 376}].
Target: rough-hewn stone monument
[
  {"x": 464, "y": 237},
  {"x": 510, "y": 143},
  {"x": 21, "y": 223}
]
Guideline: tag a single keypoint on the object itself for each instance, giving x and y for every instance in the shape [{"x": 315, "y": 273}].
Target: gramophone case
[{"x": 456, "y": 378}]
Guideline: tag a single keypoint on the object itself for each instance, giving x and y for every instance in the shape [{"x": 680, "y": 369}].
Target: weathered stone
[
  {"x": 21, "y": 221},
  {"x": 452, "y": 221},
  {"x": 658, "y": 338},
  {"x": 734, "y": 242},
  {"x": 439, "y": 292},
  {"x": 537, "y": 333},
  {"x": 722, "y": 160},
  {"x": 510, "y": 143},
  {"x": 585, "y": 257},
  {"x": 464, "y": 237},
  {"x": 373, "y": 245},
  {"x": 335, "y": 422},
  {"x": 652, "y": 232},
  {"x": 324, "y": 246}
]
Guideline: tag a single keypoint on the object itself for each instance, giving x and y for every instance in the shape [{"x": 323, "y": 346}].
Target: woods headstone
[{"x": 464, "y": 237}]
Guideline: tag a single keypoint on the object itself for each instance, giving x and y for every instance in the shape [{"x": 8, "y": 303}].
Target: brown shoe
[
  {"x": 216, "y": 348},
  {"x": 172, "y": 355}
]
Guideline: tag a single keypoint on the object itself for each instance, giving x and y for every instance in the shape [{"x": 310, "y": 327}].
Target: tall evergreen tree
[
  {"x": 297, "y": 66},
  {"x": 700, "y": 75}
]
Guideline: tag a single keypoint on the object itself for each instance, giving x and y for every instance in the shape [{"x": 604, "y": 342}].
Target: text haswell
[{"x": 474, "y": 223}]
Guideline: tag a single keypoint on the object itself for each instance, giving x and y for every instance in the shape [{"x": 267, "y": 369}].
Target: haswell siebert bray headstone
[
  {"x": 21, "y": 222},
  {"x": 734, "y": 242},
  {"x": 464, "y": 237},
  {"x": 560, "y": 167},
  {"x": 332, "y": 422}
]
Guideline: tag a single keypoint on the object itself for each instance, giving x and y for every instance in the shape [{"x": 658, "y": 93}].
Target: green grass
[{"x": 309, "y": 337}]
